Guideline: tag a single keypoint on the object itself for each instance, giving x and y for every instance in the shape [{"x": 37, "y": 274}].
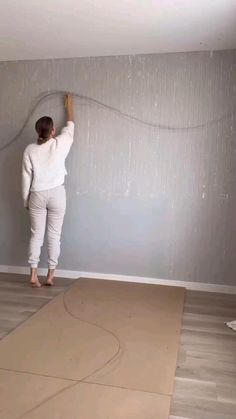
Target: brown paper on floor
[
  {"x": 91, "y": 401},
  {"x": 145, "y": 321},
  {"x": 21, "y": 392}
]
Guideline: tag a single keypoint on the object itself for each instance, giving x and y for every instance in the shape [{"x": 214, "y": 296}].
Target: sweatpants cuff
[
  {"x": 52, "y": 267},
  {"x": 33, "y": 266}
]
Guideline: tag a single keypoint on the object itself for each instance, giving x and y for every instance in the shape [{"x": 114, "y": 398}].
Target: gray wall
[{"x": 140, "y": 201}]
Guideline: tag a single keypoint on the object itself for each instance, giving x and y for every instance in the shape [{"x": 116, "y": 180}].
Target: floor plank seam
[
  {"x": 81, "y": 381},
  {"x": 38, "y": 374},
  {"x": 127, "y": 388}
]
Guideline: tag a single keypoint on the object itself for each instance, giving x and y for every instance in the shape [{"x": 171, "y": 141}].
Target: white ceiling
[{"x": 35, "y": 29}]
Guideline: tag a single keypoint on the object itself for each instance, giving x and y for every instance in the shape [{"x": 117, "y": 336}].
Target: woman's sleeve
[
  {"x": 66, "y": 137},
  {"x": 27, "y": 173}
]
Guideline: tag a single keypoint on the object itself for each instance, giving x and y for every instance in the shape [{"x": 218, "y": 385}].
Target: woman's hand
[
  {"x": 68, "y": 100},
  {"x": 69, "y": 107}
]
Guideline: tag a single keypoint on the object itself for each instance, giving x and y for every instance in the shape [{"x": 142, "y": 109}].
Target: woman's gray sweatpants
[{"x": 46, "y": 208}]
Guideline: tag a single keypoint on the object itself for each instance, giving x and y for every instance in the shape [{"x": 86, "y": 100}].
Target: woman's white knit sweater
[{"x": 44, "y": 165}]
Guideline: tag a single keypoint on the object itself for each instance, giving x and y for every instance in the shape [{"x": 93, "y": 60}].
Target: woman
[{"x": 43, "y": 189}]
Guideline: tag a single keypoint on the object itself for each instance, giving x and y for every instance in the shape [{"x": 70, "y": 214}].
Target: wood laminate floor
[
  {"x": 18, "y": 301},
  {"x": 205, "y": 384}
]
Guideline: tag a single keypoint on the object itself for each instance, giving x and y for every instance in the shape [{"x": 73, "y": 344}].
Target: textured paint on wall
[{"x": 141, "y": 201}]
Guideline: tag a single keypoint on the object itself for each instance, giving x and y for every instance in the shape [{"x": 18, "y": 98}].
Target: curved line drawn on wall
[{"x": 94, "y": 102}]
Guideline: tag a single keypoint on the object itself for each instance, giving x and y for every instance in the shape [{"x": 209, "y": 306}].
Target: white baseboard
[{"x": 195, "y": 286}]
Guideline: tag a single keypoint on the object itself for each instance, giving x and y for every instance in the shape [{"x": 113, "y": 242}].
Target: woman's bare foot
[
  {"x": 50, "y": 278},
  {"x": 34, "y": 281}
]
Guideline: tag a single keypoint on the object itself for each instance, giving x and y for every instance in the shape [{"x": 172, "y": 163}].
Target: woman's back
[{"x": 45, "y": 164}]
